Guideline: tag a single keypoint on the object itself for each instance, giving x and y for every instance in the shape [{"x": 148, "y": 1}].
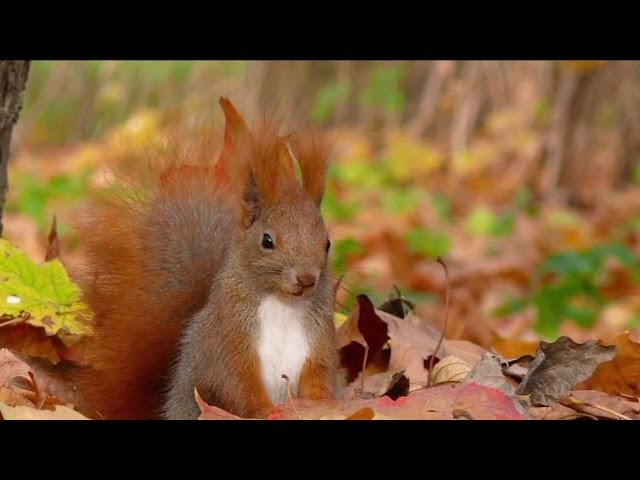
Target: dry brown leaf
[
  {"x": 440, "y": 402},
  {"x": 30, "y": 340},
  {"x": 410, "y": 345},
  {"x": 210, "y": 412},
  {"x": 53, "y": 242},
  {"x": 13, "y": 398},
  {"x": 513, "y": 347},
  {"x": 488, "y": 372},
  {"x": 622, "y": 374},
  {"x": 450, "y": 369},
  {"x": 362, "y": 414},
  {"x": 11, "y": 367},
  {"x": 559, "y": 366},
  {"x": 599, "y": 404},
  {"x": 60, "y": 412},
  {"x": 390, "y": 383}
]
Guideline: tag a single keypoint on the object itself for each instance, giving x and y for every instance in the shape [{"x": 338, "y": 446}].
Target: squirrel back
[{"x": 187, "y": 294}]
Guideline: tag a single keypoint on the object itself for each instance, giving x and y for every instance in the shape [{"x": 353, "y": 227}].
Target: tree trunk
[{"x": 13, "y": 78}]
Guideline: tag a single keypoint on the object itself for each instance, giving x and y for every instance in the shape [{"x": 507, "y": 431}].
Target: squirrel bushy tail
[{"x": 151, "y": 257}]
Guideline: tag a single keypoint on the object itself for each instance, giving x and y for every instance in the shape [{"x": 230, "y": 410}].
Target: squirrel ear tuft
[
  {"x": 312, "y": 153},
  {"x": 272, "y": 167},
  {"x": 235, "y": 130}
]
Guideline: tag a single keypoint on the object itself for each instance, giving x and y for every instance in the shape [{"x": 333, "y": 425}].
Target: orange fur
[
  {"x": 137, "y": 333},
  {"x": 312, "y": 152}
]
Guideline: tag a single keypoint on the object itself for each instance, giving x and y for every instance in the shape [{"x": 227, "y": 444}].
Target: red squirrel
[{"x": 216, "y": 279}]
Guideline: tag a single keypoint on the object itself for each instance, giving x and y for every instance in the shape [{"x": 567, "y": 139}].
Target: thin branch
[{"x": 446, "y": 319}]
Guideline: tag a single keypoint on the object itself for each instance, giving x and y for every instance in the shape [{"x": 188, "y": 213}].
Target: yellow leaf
[
  {"x": 22, "y": 412},
  {"x": 450, "y": 369},
  {"x": 339, "y": 319}
]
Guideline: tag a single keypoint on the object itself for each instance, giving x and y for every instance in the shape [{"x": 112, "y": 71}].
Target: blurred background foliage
[{"x": 524, "y": 176}]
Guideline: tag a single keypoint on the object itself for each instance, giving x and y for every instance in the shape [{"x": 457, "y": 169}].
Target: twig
[
  {"x": 40, "y": 398},
  {"x": 573, "y": 401},
  {"x": 401, "y": 298},
  {"x": 15, "y": 321},
  {"x": 446, "y": 319},
  {"x": 286, "y": 379}
]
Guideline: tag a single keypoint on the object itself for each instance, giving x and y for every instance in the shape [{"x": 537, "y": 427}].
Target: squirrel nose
[{"x": 306, "y": 280}]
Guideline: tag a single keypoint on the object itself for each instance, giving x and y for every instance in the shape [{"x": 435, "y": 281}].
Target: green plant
[
  {"x": 429, "y": 243},
  {"x": 33, "y": 197},
  {"x": 401, "y": 200},
  {"x": 342, "y": 250},
  {"x": 570, "y": 287},
  {"x": 384, "y": 90},
  {"x": 483, "y": 221},
  {"x": 328, "y": 98},
  {"x": 442, "y": 206},
  {"x": 335, "y": 209}
]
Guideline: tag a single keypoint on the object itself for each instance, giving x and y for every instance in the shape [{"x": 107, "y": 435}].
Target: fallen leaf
[
  {"x": 362, "y": 414},
  {"x": 411, "y": 345},
  {"x": 363, "y": 334},
  {"x": 60, "y": 412},
  {"x": 53, "y": 243},
  {"x": 559, "y": 366},
  {"x": 599, "y": 404},
  {"x": 397, "y": 306},
  {"x": 512, "y": 348},
  {"x": 44, "y": 291},
  {"x": 391, "y": 383},
  {"x": 449, "y": 369},
  {"x": 518, "y": 368},
  {"x": 11, "y": 367},
  {"x": 622, "y": 374},
  {"x": 32, "y": 341},
  {"x": 488, "y": 372},
  {"x": 210, "y": 412},
  {"x": 437, "y": 403},
  {"x": 13, "y": 398}
]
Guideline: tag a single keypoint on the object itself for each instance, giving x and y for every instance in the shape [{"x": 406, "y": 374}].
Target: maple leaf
[{"x": 43, "y": 295}]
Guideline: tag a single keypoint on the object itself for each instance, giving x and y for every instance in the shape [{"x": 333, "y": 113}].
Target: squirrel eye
[
  {"x": 267, "y": 242},
  {"x": 327, "y": 246}
]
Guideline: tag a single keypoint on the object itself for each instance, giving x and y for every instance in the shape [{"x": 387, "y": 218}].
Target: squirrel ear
[
  {"x": 235, "y": 130},
  {"x": 312, "y": 153},
  {"x": 234, "y": 163}
]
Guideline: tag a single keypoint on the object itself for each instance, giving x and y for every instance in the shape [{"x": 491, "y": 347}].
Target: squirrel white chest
[{"x": 283, "y": 346}]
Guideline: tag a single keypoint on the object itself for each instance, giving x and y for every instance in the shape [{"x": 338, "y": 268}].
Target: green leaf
[
  {"x": 343, "y": 250},
  {"x": 401, "y": 201},
  {"x": 569, "y": 264},
  {"x": 480, "y": 221},
  {"x": 428, "y": 242},
  {"x": 634, "y": 322},
  {"x": 483, "y": 221},
  {"x": 550, "y": 303},
  {"x": 585, "y": 317},
  {"x": 511, "y": 306},
  {"x": 43, "y": 291},
  {"x": 442, "y": 206},
  {"x": 332, "y": 208},
  {"x": 384, "y": 89},
  {"x": 328, "y": 98}
]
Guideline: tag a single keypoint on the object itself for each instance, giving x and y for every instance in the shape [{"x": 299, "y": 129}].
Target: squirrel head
[{"x": 282, "y": 242}]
